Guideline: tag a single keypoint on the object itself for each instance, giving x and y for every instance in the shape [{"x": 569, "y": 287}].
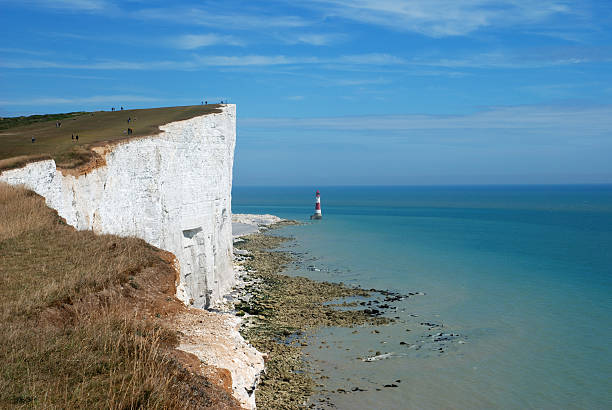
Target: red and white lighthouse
[{"x": 317, "y": 214}]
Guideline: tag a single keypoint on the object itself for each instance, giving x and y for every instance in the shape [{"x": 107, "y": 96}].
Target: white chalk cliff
[{"x": 172, "y": 189}]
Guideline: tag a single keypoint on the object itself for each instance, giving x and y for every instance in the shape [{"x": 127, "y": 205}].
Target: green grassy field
[
  {"x": 17, "y": 149},
  {"x": 10, "y": 122}
]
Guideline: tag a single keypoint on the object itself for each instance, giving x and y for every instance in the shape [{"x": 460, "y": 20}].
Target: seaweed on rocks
[{"x": 278, "y": 309}]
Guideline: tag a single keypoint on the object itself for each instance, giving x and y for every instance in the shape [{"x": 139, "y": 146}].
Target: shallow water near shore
[{"x": 516, "y": 311}]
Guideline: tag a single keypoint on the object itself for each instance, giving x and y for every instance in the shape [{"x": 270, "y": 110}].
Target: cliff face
[{"x": 173, "y": 190}]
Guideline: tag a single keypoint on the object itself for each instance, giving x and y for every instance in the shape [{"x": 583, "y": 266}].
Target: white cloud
[
  {"x": 80, "y": 4},
  {"x": 234, "y": 21},
  {"x": 435, "y": 18},
  {"x": 72, "y": 5},
  {"x": 571, "y": 35},
  {"x": 23, "y": 51},
  {"x": 195, "y": 63},
  {"x": 295, "y": 98},
  {"x": 209, "y": 61},
  {"x": 79, "y": 100},
  {"x": 99, "y": 65},
  {"x": 439, "y": 18},
  {"x": 362, "y": 81},
  {"x": 313, "y": 39},
  {"x": 525, "y": 58},
  {"x": 370, "y": 59},
  {"x": 194, "y": 41},
  {"x": 559, "y": 118},
  {"x": 419, "y": 66},
  {"x": 252, "y": 60},
  {"x": 262, "y": 60}
]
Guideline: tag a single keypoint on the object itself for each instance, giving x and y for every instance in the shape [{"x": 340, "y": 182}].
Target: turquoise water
[{"x": 520, "y": 276}]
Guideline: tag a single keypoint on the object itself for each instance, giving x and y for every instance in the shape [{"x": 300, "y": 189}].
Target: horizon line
[{"x": 429, "y": 185}]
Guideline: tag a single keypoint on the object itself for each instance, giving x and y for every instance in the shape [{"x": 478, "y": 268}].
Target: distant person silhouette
[
  {"x": 77, "y": 138},
  {"x": 72, "y": 136},
  {"x": 33, "y": 139}
]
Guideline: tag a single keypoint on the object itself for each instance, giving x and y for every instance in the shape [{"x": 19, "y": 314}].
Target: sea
[{"x": 511, "y": 304}]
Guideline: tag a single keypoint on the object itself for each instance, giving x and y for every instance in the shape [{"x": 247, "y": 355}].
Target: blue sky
[{"x": 333, "y": 92}]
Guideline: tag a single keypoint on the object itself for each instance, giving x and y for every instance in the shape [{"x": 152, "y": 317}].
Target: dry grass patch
[
  {"x": 85, "y": 319},
  {"x": 20, "y": 161}
]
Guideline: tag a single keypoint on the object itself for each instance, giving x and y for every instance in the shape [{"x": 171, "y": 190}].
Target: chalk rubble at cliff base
[
  {"x": 246, "y": 224},
  {"x": 214, "y": 338}
]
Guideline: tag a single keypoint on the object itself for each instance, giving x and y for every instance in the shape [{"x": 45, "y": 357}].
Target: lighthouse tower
[{"x": 317, "y": 214}]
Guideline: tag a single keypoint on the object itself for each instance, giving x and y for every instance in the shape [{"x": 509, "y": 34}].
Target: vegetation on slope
[
  {"x": 10, "y": 122},
  {"x": 94, "y": 128},
  {"x": 84, "y": 318}
]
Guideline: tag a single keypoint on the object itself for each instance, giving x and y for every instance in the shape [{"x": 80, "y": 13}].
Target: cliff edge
[{"x": 172, "y": 189}]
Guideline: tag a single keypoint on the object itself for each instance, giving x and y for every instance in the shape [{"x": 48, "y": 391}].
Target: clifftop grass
[
  {"x": 93, "y": 128},
  {"x": 10, "y": 122},
  {"x": 86, "y": 319}
]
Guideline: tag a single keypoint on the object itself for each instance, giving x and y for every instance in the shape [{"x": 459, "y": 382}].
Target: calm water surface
[{"x": 520, "y": 277}]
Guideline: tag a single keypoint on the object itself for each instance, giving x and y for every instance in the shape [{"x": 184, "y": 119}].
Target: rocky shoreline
[
  {"x": 258, "y": 332},
  {"x": 279, "y": 311}
]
